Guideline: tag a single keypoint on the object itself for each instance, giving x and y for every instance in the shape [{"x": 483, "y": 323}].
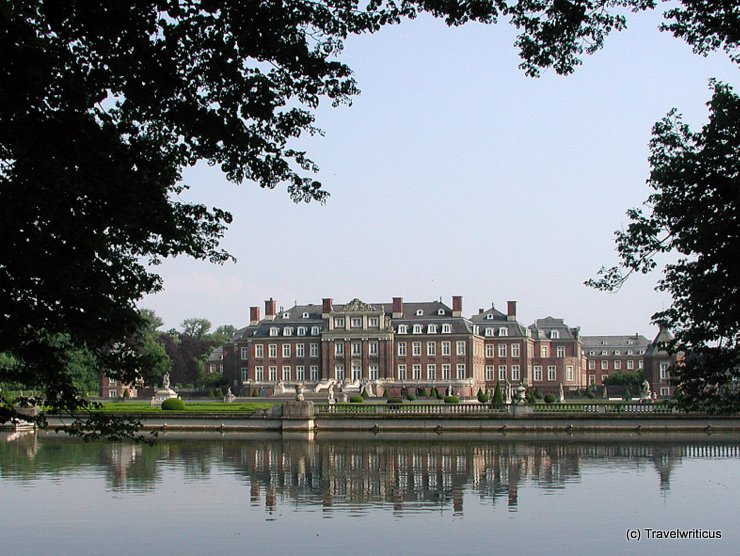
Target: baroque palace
[{"x": 400, "y": 346}]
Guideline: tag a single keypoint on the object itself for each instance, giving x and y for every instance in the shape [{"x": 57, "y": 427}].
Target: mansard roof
[
  {"x": 631, "y": 341},
  {"x": 542, "y": 328},
  {"x": 493, "y": 318}
]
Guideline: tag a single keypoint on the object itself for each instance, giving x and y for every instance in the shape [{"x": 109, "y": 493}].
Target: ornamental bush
[
  {"x": 411, "y": 397},
  {"x": 452, "y": 399},
  {"x": 482, "y": 396},
  {"x": 434, "y": 393},
  {"x": 422, "y": 393},
  {"x": 356, "y": 399},
  {"x": 173, "y": 404},
  {"x": 395, "y": 400},
  {"x": 537, "y": 394},
  {"x": 365, "y": 395},
  {"x": 498, "y": 395},
  {"x": 550, "y": 398}
]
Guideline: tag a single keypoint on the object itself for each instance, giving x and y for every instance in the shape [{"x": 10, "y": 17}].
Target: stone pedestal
[{"x": 298, "y": 420}]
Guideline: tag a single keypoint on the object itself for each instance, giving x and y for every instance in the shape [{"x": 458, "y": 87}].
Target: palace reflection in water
[{"x": 404, "y": 476}]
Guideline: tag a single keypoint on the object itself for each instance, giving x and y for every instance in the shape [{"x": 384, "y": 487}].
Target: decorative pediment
[{"x": 357, "y": 306}]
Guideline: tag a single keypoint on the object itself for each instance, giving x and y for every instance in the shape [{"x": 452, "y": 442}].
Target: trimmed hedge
[
  {"x": 173, "y": 404},
  {"x": 395, "y": 400},
  {"x": 356, "y": 399},
  {"x": 550, "y": 398},
  {"x": 411, "y": 397},
  {"x": 452, "y": 399}
]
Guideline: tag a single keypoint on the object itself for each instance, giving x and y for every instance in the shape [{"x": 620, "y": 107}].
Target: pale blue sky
[{"x": 455, "y": 174}]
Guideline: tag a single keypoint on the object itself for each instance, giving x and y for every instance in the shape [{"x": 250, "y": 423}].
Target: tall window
[
  {"x": 560, "y": 351},
  {"x": 314, "y": 350},
  {"x": 339, "y": 372},
  {"x": 445, "y": 348},
  {"x": 515, "y": 350},
  {"x": 538, "y": 373},
  {"x": 460, "y": 371},
  {"x": 273, "y": 374},
  {"x": 489, "y": 350},
  {"x": 272, "y": 350},
  {"x": 569, "y": 373},
  {"x": 338, "y": 323},
  {"x": 416, "y": 349},
  {"x": 431, "y": 348},
  {"x": 300, "y": 372},
  {"x": 604, "y": 364},
  {"x": 356, "y": 322},
  {"x": 402, "y": 372},
  {"x": 617, "y": 364},
  {"x": 516, "y": 373},
  {"x": 286, "y": 350},
  {"x": 339, "y": 348},
  {"x": 286, "y": 373},
  {"x": 244, "y": 353},
  {"x": 372, "y": 348},
  {"x": 431, "y": 371},
  {"x": 259, "y": 373},
  {"x": 416, "y": 372},
  {"x": 401, "y": 349},
  {"x": 461, "y": 348},
  {"x": 551, "y": 372},
  {"x": 314, "y": 370},
  {"x": 373, "y": 372},
  {"x": 490, "y": 373},
  {"x": 259, "y": 351},
  {"x": 300, "y": 350},
  {"x": 356, "y": 348},
  {"x": 502, "y": 373},
  {"x": 502, "y": 350},
  {"x": 544, "y": 352},
  {"x": 244, "y": 374},
  {"x": 445, "y": 371},
  {"x": 591, "y": 364},
  {"x": 356, "y": 372},
  {"x": 630, "y": 364},
  {"x": 664, "y": 374}
]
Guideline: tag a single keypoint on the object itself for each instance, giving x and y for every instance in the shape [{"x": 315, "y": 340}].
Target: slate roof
[{"x": 542, "y": 327}]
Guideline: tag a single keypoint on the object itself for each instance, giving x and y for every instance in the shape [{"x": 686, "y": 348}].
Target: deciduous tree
[{"x": 694, "y": 213}]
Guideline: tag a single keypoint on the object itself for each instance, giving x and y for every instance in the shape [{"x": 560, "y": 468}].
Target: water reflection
[{"x": 352, "y": 475}]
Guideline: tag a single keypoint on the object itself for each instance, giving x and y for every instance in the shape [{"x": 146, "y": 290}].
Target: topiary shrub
[
  {"x": 173, "y": 404},
  {"x": 385, "y": 394},
  {"x": 577, "y": 393},
  {"x": 411, "y": 397},
  {"x": 434, "y": 393},
  {"x": 356, "y": 399},
  {"x": 498, "y": 395},
  {"x": 422, "y": 393},
  {"x": 482, "y": 396},
  {"x": 537, "y": 394},
  {"x": 550, "y": 398},
  {"x": 452, "y": 399},
  {"x": 365, "y": 395},
  {"x": 589, "y": 393},
  {"x": 394, "y": 400},
  {"x": 255, "y": 394}
]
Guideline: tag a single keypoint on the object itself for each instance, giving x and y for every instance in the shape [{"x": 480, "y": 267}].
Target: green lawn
[{"x": 190, "y": 407}]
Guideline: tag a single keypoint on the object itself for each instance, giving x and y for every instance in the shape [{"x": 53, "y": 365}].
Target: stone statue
[
  {"x": 166, "y": 381},
  {"x": 229, "y": 397},
  {"x": 331, "y": 392},
  {"x": 561, "y": 394},
  {"x": 367, "y": 387},
  {"x": 299, "y": 392},
  {"x": 279, "y": 388},
  {"x": 507, "y": 392},
  {"x": 645, "y": 391}
]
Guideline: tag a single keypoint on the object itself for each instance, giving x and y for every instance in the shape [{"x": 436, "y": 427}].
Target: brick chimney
[
  {"x": 254, "y": 315},
  {"x": 327, "y": 306},
  {"x": 397, "y": 307},
  {"x": 511, "y": 310},
  {"x": 457, "y": 305},
  {"x": 270, "y": 306},
  {"x": 481, "y": 310}
]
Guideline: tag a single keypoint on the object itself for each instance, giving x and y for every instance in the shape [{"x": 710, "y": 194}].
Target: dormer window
[
  {"x": 432, "y": 329},
  {"x": 630, "y": 352},
  {"x": 592, "y": 352},
  {"x": 489, "y": 316},
  {"x": 441, "y": 312},
  {"x": 503, "y": 331},
  {"x": 446, "y": 329},
  {"x": 304, "y": 316},
  {"x": 314, "y": 331},
  {"x": 617, "y": 352},
  {"x": 489, "y": 332},
  {"x": 288, "y": 331},
  {"x": 286, "y": 315},
  {"x": 419, "y": 312},
  {"x": 402, "y": 329},
  {"x": 273, "y": 331},
  {"x": 417, "y": 329},
  {"x": 554, "y": 334},
  {"x": 301, "y": 330},
  {"x": 604, "y": 352}
]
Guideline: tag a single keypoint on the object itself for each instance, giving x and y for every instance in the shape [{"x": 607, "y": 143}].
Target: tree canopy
[
  {"x": 695, "y": 214},
  {"x": 104, "y": 104}
]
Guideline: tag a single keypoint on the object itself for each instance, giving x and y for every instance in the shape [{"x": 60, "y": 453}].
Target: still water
[{"x": 252, "y": 495}]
